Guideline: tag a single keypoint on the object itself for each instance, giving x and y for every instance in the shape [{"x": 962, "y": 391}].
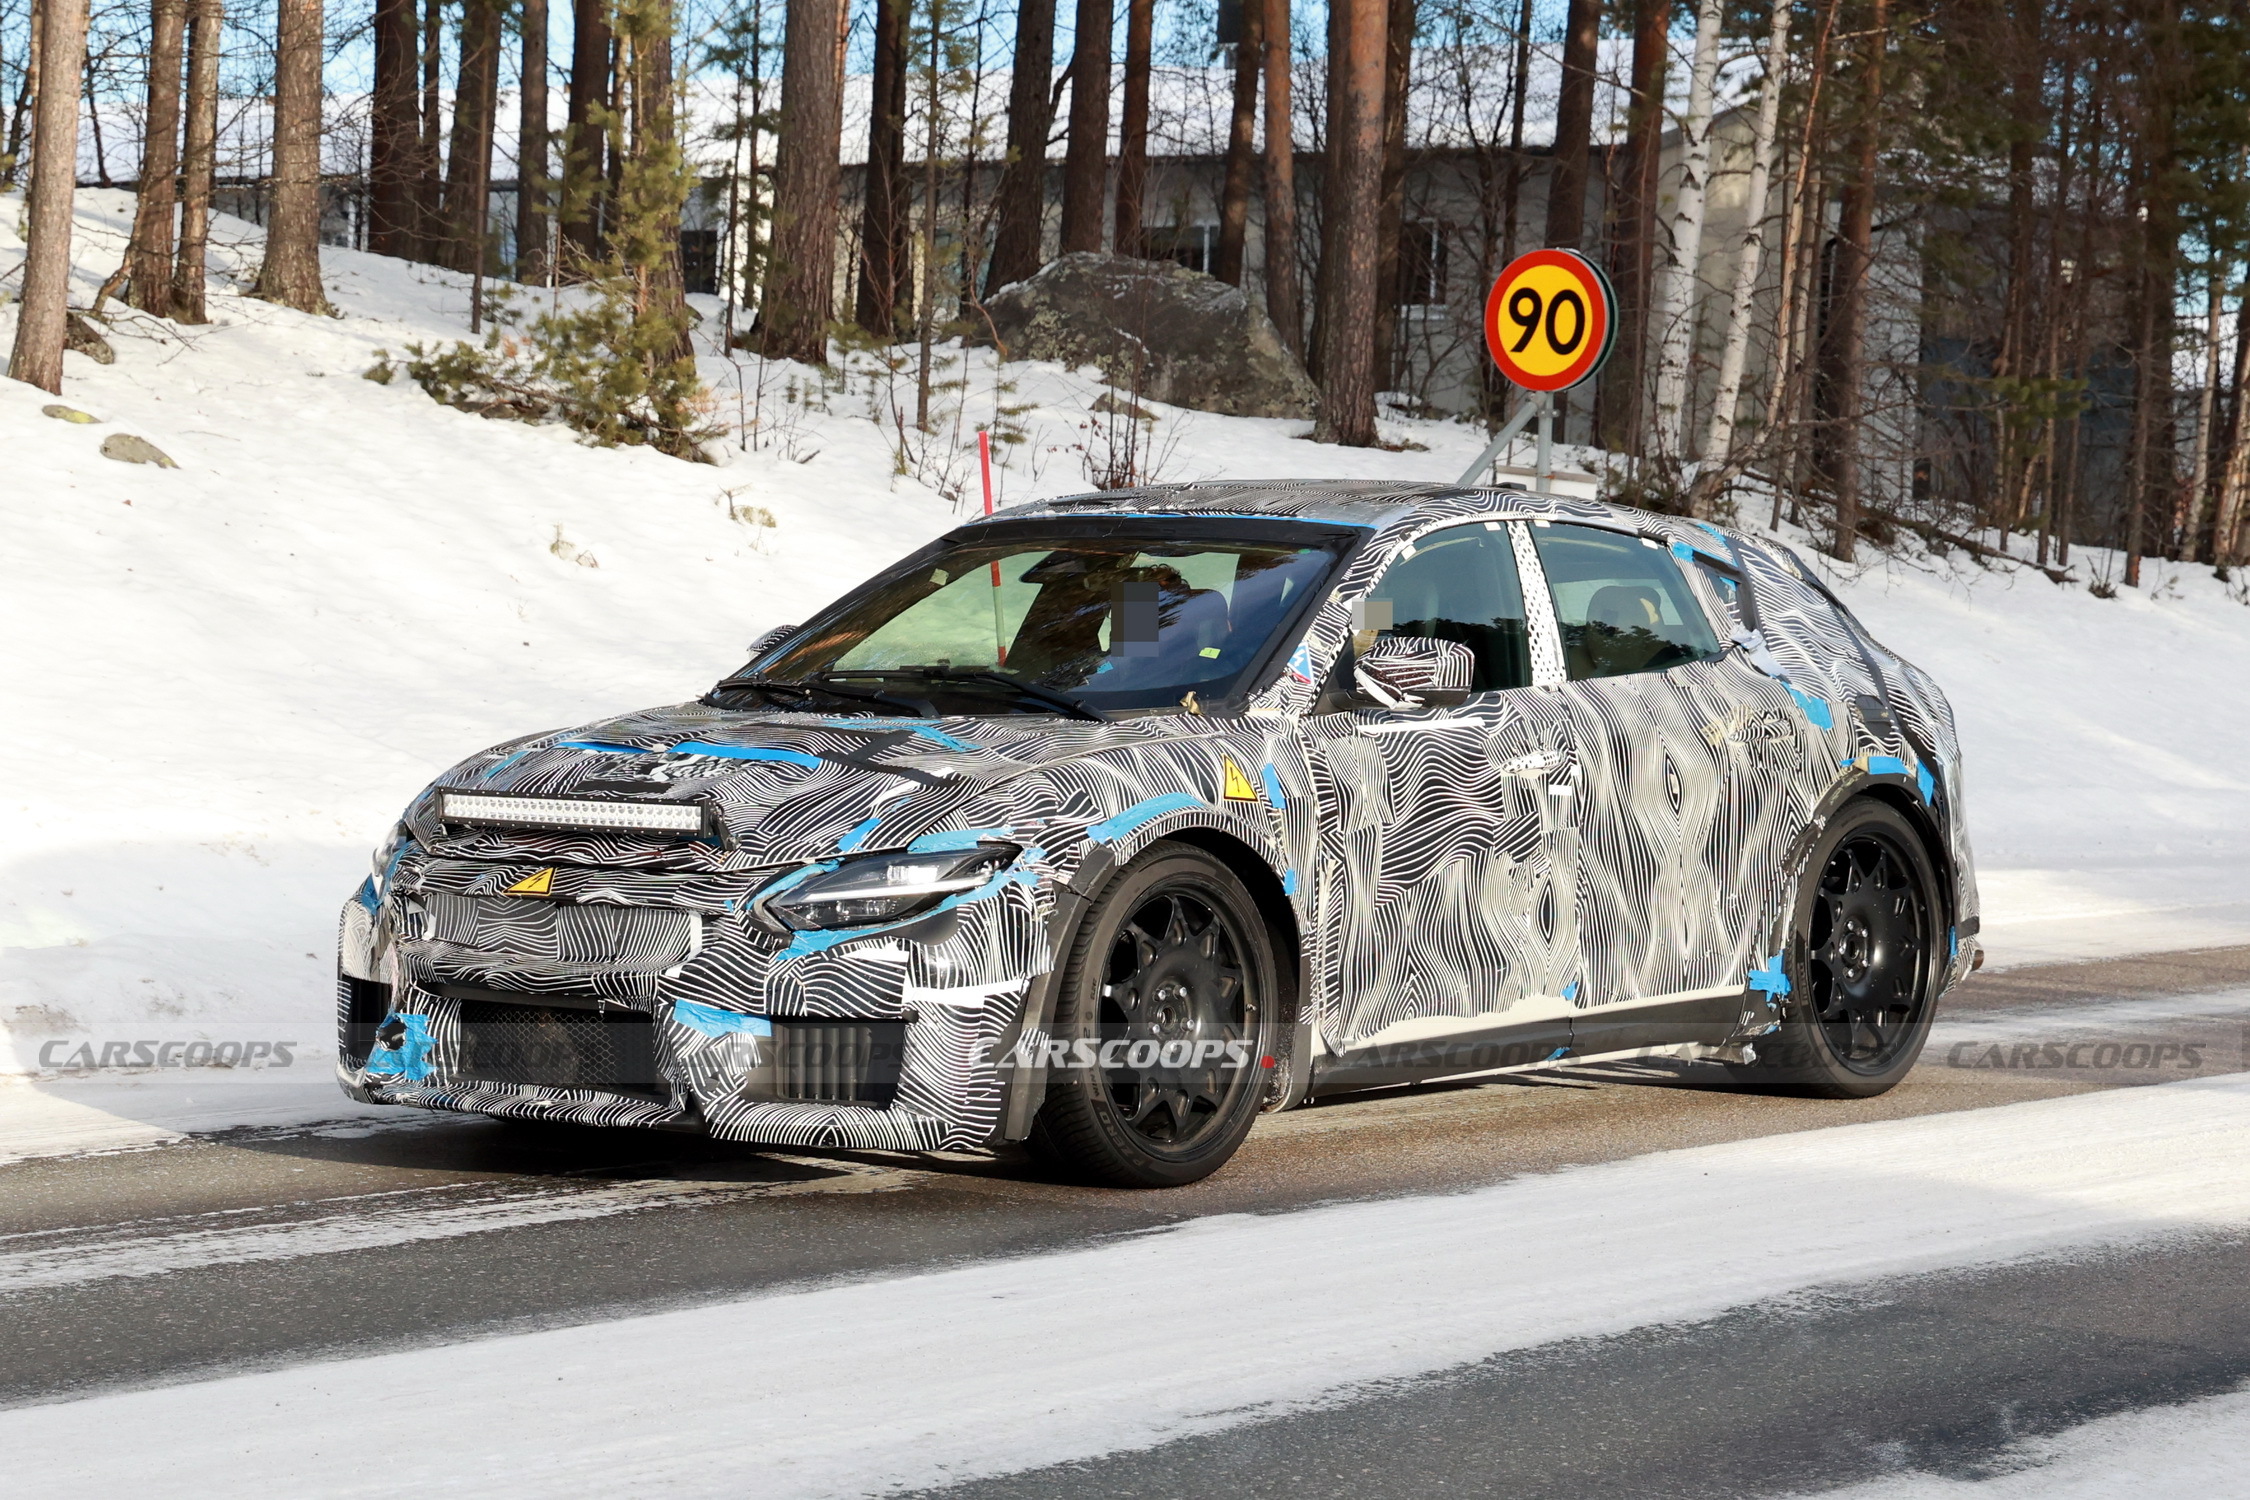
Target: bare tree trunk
[
  {"x": 655, "y": 135},
  {"x": 94, "y": 119},
  {"x": 1633, "y": 243},
  {"x": 290, "y": 274},
  {"x": 468, "y": 162},
  {"x": 199, "y": 163},
  {"x": 1019, "y": 236},
  {"x": 1734, "y": 353},
  {"x": 149, "y": 258},
  {"x": 531, "y": 148},
  {"x": 583, "y": 136},
  {"x": 37, "y": 358},
  {"x": 1284, "y": 299},
  {"x": 1242, "y": 150},
  {"x": 1674, "y": 303},
  {"x": 11, "y": 157},
  {"x": 1355, "y": 172},
  {"x": 394, "y": 133},
  {"x": 1337, "y": 108},
  {"x": 883, "y": 260},
  {"x": 1390, "y": 219},
  {"x": 1132, "y": 140},
  {"x": 429, "y": 162},
  {"x": 2160, "y": 245},
  {"x": 2188, "y": 522},
  {"x": 2234, "y": 476},
  {"x": 800, "y": 289},
  {"x": 1574, "y": 126},
  {"x": 1511, "y": 190},
  {"x": 925, "y": 302},
  {"x": 1854, "y": 253},
  {"x": 1086, "y": 162}
]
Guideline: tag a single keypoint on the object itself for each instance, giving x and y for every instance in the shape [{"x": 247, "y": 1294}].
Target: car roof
[{"x": 1350, "y": 502}]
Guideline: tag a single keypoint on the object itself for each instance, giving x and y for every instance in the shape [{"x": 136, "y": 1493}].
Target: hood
[{"x": 786, "y": 787}]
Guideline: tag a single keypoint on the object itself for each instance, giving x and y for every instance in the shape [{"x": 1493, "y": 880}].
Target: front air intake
[
  {"x": 838, "y": 1062},
  {"x": 553, "y": 1043}
]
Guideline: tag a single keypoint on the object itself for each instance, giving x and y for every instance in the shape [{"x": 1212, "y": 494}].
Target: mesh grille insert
[
  {"x": 558, "y": 1047},
  {"x": 838, "y": 1062},
  {"x": 641, "y": 937}
]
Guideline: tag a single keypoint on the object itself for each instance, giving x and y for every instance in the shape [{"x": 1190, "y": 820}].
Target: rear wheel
[
  {"x": 1163, "y": 997},
  {"x": 1862, "y": 963}
]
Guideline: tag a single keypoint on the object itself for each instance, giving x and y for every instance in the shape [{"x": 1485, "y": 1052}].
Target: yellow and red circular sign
[{"x": 1550, "y": 319}]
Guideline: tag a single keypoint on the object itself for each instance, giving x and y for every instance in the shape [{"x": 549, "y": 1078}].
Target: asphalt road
[{"x": 266, "y": 1248}]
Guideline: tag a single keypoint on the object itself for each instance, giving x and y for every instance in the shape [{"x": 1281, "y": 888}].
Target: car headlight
[{"x": 883, "y": 887}]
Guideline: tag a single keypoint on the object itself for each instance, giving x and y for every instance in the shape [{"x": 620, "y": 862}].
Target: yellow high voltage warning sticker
[
  {"x": 1238, "y": 788},
  {"x": 537, "y": 883}
]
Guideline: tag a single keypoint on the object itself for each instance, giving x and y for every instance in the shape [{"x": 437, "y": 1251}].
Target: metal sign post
[
  {"x": 1548, "y": 324},
  {"x": 1544, "y": 469}
]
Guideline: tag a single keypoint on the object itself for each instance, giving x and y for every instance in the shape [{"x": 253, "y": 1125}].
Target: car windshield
[{"x": 1090, "y": 623}]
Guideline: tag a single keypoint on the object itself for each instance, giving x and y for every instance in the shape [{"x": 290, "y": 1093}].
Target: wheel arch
[
  {"x": 1258, "y": 877},
  {"x": 1903, "y": 797},
  {"x": 1026, "y": 1087}
]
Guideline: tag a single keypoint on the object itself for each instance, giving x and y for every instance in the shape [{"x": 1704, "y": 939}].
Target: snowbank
[
  {"x": 228, "y": 678},
  {"x": 872, "y": 1387}
]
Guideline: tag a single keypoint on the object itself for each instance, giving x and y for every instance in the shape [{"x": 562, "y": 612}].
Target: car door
[
  {"x": 1446, "y": 882},
  {"x": 1645, "y": 691}
]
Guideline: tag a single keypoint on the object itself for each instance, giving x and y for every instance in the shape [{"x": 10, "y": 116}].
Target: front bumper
[{"x": 895, "y": 1039}]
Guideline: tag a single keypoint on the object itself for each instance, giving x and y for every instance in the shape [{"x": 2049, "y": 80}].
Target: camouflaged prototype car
[{"x": 1102, "y": 823}]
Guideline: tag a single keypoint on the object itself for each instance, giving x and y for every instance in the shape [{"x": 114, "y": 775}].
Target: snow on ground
[
  {"x": 229, "y": 677},
  {"x": 2200, "y": 1449},
  {"x": 863, "y": 1387}
]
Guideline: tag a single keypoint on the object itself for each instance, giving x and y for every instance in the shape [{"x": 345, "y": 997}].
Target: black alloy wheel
[
  {"x": 1862, "y": 962},
  {"x": 1166, "y": 989},
  {"x": 1867, "y": 955}
]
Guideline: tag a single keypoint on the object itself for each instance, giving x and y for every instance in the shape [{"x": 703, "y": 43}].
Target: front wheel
[
  {"x": 1862, "y": 963},
  {"x": 1164, "y": 997}
]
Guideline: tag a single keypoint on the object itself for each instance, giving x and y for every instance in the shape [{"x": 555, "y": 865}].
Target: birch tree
[
  {"x": 1673, "y": 315},
  {"x": 1734, "y": 350}
]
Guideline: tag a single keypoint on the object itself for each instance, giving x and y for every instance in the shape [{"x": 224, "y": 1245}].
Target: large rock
[{"x": 1156, "y": 330}]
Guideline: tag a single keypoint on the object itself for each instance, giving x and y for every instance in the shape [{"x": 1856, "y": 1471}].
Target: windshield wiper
[
  {"x": 1022, "y": 687},
  {"x": 819, "y": 683}
]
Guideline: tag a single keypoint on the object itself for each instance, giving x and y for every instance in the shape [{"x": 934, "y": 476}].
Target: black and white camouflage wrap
[{"x": 1535, "y": 856}]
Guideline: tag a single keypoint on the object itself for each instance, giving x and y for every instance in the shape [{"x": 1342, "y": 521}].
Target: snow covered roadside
[
  {"x": 2200, "y": 1449},
  {"x": 1000, "y": 1366},
  {"x": 2108, "y": 796},
  {"x": 230, "y": 676}
]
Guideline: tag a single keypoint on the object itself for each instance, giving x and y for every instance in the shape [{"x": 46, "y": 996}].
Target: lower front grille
[
  {"x": 560, "y": 1047},
  {"x": 838, "y": 1062},
  {"x": 365, "y": 1004}
]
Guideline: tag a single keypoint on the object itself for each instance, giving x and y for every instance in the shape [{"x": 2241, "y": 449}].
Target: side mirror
[{"x": 1411, "y": 671}]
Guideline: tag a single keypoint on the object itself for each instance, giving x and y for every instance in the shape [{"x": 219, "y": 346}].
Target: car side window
[
  {"x": 1459, "y": 584},
  {"x": 1621, "y": 603}
]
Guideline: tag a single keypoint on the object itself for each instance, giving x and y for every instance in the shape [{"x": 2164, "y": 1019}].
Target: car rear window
[{"x": 1621, "y": 603}]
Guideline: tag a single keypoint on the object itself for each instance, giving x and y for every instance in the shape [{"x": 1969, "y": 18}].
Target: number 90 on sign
[{"x": 1550, "y": 320}]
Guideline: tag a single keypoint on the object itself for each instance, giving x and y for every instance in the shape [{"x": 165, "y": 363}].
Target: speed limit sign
[{"x": 1550, "y": 320}]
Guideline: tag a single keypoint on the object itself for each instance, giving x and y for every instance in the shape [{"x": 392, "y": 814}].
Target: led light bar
[{"x": 573, "y": 812}]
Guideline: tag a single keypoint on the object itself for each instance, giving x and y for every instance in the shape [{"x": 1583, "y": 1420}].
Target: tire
[
  {"x": 1862, "y": 962},
  {"x": 1173, "y": 951}
]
